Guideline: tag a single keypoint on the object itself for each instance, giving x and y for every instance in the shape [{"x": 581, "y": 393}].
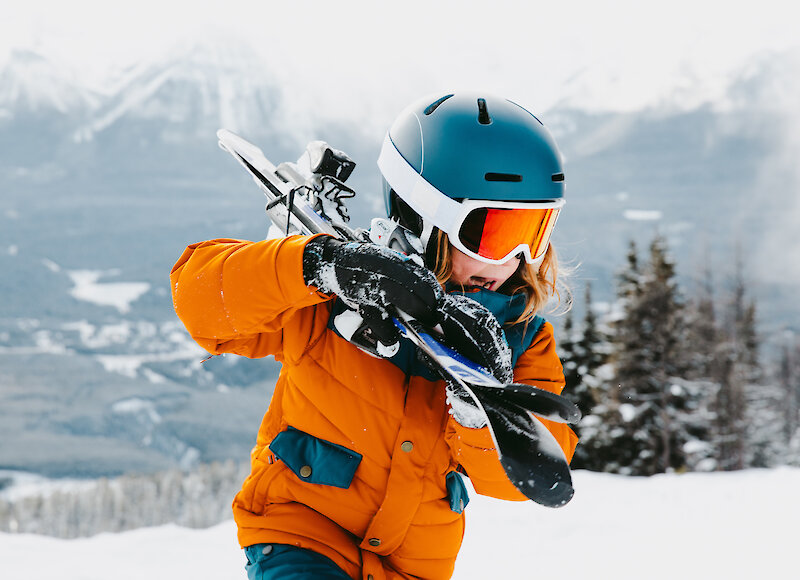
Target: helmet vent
[
  {"x": 483, "y": 113},
  {"x": 510, "y": 177},
  {"x": 558, "y": 177},
  {"x": 432, "y": 107}
]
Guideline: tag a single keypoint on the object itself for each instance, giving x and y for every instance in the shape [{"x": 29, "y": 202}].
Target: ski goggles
[{"x": 492, "y": 232}]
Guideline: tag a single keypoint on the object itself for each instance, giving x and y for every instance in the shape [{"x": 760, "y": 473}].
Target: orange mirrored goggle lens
[{"x": 495, "y": 232}]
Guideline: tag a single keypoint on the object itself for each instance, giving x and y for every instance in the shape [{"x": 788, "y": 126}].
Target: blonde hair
[{"x": 539, "y": 283}]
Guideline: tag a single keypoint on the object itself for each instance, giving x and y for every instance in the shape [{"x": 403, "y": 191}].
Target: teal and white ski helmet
[{"x": 446, "y": 152}]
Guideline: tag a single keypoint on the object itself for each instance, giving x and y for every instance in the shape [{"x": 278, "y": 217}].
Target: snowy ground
[{"x": 721, "y": 525}]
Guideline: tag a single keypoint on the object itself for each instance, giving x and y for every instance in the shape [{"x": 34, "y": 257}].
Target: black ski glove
[
  {"x": 473, "y": 331},
  {"x": 373, "y": 280},
  {"x": 370, "y": 278}
]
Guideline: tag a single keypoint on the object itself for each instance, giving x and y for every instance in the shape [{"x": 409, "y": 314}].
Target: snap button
[
  {"x": 374, "y": 542},
  {"x": 407, "y": 446},
  {"x": 370, "y": 577},
  {"x": 266, "y": 549},
  {"x": 305, "y": 471}
]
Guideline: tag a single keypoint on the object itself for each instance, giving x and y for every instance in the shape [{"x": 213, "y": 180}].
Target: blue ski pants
[{"x": 284, "y": 562}]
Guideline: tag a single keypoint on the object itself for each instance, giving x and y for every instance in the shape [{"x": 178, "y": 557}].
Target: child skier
[{"x": 355, "y": 472}]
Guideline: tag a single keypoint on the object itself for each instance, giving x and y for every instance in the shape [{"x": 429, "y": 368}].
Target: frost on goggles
[{"x": 494, "y": 233}]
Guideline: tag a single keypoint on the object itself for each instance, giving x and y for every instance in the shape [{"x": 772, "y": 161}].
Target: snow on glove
[
  {"x": 370, "y": 278},
  {"x": 473, "y": 331}
]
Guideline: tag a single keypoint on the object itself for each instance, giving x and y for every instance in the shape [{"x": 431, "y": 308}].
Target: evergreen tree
[
  {"x": 702, "y": 332},
  {"x": 582, "y": 353},
  {"x": 647, "y": 361},
  {"x": 567, "y": 347},
  {"x": 743, "y": 314},
  {"x": 593, "y": 346},
  {"x": 789, "y": 381},
  {"x": 629, "y": 280},
  {"x": 790, "y": 386},
  {"x": 606, "y": 443},
  {"x": 659, "y": 422},
  {"x": 736, "y": 370},
  {"x": 586, "y": 357},
  {"x": 702, "y": 345}
]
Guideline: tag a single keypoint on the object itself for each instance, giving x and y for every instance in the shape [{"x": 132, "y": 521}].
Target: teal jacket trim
[
  {"x": 456, "y": 492},
  {"x": 315, "y": 460}
]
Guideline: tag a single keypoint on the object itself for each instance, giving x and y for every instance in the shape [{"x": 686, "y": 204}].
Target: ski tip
[
  {"x": 224, "y": 139},
  {"x": 572, "y": 416},
  {"x": 558, "y": 495},
  {"x": 547, "y": 484}
]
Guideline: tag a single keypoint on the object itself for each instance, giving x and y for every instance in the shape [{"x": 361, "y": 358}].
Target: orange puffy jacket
[{"x": 356, "y": 457}]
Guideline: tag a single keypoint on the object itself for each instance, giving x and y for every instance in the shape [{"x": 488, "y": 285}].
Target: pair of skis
[{"x": 306, "y": 198}]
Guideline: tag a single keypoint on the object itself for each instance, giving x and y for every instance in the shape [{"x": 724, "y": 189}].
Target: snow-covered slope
[{"x": 723, "y": 525}]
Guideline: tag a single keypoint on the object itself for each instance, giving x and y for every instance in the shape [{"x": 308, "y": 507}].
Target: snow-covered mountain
[
  {"x": 103, "y": 186},
  {"x": 30, "y": 83},
  {"x": 213, "y": 85},
  {"x": 179, "y": 101},
  {"x": 192, "y": 94}
]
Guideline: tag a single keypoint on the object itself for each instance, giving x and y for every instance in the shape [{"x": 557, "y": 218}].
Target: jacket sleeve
[
  {"x": 474, "y": 448},
  {"x": 235, "y": 296}
]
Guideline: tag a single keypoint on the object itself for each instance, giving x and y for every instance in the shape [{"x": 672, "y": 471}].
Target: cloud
[{"x": 770, "y": 216}]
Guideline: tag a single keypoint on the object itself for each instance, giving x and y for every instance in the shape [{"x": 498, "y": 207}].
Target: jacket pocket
[
  {"x": 456, "y": 492},
  {"x": 315, "y": 460}
]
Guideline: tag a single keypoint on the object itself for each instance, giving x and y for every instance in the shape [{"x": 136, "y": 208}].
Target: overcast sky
[{"x": 352, "y": 54}]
